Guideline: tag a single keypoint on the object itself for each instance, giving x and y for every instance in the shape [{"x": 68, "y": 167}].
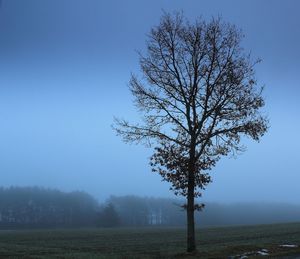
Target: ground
[{"x": 213, "y": 242}]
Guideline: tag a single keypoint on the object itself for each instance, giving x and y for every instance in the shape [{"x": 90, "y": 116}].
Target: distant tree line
[
  {"x": 145, "y": 211},
  {"x": 33, "y": 207}
]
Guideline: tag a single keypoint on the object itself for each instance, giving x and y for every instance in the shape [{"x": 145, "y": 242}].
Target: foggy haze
[{"x": 64, "y": 71}]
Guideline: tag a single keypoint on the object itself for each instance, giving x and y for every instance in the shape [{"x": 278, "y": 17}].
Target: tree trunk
[{"x": 191, "y": 243}]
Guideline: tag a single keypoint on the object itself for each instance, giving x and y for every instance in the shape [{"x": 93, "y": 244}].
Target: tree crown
[{"x": 198, "y": 96}]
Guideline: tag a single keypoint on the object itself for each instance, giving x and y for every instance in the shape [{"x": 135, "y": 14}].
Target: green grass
[{"x": 219, "y": 242}]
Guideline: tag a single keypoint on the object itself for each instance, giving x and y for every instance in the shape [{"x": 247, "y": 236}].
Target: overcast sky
[{"x": 64, "y": 71}]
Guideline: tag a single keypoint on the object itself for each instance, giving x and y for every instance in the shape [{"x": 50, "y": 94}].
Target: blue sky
[{"x": 64, "y": 71}]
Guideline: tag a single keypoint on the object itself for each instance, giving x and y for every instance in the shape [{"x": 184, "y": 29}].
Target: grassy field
[{"x": 220, "y": 242}]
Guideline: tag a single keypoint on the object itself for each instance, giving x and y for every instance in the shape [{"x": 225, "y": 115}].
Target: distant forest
[
  {"x": 29, "y": 207},
  {"x": 33, "y": 207}
]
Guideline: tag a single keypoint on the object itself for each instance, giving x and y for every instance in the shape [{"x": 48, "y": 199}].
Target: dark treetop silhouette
[{"x": 198, "y": 96}]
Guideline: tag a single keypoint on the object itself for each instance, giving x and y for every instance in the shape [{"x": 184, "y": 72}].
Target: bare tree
[{"x": 198, "y": 97}]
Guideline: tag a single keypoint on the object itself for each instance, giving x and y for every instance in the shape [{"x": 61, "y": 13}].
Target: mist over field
[
  {"x": 64, "y": 72},
  {"x": 33, "y": 208}
]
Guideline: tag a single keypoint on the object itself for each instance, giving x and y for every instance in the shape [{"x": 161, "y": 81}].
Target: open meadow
[{"x": 214, "y": 242}]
